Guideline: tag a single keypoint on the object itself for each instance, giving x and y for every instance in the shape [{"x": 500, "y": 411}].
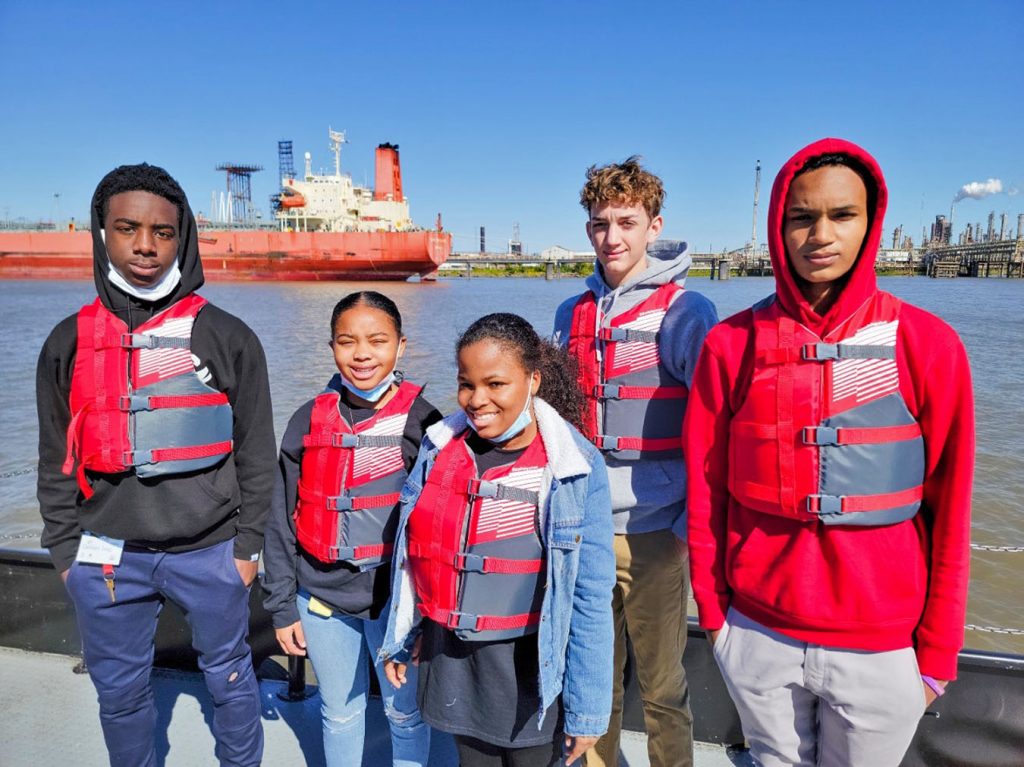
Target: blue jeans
[
  {"x": 340, "y": 647},
  {"x": 117, "y": 642}
]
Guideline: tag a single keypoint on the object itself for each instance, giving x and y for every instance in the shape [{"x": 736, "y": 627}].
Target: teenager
[
  {"x": 636, "y": 333},
  {"x": 344, "y": 458},
  {"x": 156, "y": 456},
  {"x": 830, "y": 442},
  {"x": 504, "y": 564}
]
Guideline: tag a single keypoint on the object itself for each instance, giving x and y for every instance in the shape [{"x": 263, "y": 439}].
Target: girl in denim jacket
[{"x": 503, "y": 562}]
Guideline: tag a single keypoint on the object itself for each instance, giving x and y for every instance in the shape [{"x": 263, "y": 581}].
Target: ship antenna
[{"x": 337, "y": 139}]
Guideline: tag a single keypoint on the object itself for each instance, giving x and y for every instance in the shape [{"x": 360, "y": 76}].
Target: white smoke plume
[{"x": 979, "y": 189}]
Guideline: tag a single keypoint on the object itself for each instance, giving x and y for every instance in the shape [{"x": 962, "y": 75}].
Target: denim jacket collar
[{"x": 565, "y": 459}]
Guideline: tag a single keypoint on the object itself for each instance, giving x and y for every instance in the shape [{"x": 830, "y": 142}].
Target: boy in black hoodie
[{"x": 156, "y": 461}]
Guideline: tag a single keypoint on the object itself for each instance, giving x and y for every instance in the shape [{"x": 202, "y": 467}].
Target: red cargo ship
[{"x": 329, "y": 229}]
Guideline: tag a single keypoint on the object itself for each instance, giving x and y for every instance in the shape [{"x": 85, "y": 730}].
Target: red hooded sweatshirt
[{"x": 872, "y": 588}]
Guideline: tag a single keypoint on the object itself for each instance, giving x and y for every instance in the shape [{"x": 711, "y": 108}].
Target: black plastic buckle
[
  {"x": 464, "y": 621},
  {"x": 481, "y": 488},
  {"x": 820, "y": 435},
  {"x": 825, "y": 505},
  {"x": 346, "y": 440},
  {"x": 606, "y": 391},
  {"x": 469, "y": 563}
]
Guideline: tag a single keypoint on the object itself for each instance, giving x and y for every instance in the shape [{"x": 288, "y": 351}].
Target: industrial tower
[{"x": 239, "y": 208}]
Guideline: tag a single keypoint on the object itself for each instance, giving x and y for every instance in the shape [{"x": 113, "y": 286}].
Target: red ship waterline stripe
[{"x": 247, "y": 255}]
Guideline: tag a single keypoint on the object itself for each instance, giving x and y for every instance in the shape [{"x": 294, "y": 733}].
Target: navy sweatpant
[{"x": 118, "y": 643}]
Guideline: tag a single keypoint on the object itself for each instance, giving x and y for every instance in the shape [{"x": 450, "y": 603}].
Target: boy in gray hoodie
[{"x": 636, "y": 335}]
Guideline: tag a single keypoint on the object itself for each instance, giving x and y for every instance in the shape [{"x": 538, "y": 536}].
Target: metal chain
[
  {"x": 995, "y": 630},
  {"x": 21, "y": 537},
  {"x": 18, "y": 473}
]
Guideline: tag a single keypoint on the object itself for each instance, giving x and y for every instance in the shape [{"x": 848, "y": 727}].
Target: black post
[{"x": 297, "y": 689}]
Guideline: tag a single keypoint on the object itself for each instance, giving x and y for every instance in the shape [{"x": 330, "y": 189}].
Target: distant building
[{"x": 558, "y": 253}]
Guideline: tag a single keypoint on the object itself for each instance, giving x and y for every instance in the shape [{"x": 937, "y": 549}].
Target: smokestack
[
  {"x": 1020, "y": 226},
  {"x": 978, "y": 236},
  {"x": 970, "y": 234},
  {"x": 1002, "y": 227},
  {"x": 991, "y": 226},
  {"x": 483, "y": 241},
  {"x": 387, "y": 182}
]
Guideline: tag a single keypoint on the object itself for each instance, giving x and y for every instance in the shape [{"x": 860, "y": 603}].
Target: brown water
[{"x": 292, "y": 320}]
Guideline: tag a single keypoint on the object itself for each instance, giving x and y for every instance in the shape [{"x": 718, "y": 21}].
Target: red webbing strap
[
  {"x": 778, "y": 356},
  {"x": 582, "y": 347},
  {"x": 786, "y": 329},
  {"x": 877, "y": 434},
  {"x": 880, "y": 502},
  {"x": 652, "y": 392},
  {"x": 110, "y": 452},
  {"x": 503, "y": 566},
  {"x": 375, "y": 550},
  {"x": 74, "y": 434},
  {"x": 189, "y": 453},
  {"x": 450, "y": 619},
  {"x": 374, "y": 501},
  {"x": 504, "y": 622},
  {"x": 415, "y": 550},
  {"x": 187, "y": 400},
  {"x": 751, "y": 429},
  {"x": 757, "y": 492},
  {"x": 641, "y": 443}
]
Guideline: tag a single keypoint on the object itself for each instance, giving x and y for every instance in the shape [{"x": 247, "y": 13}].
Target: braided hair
[{"x": 558, "y": 383}]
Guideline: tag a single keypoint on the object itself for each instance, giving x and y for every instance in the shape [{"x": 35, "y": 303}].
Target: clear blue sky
[{"x": 500, "y": 107}]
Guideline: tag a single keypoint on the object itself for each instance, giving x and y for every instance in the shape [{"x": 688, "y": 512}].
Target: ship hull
[{"x": 241, "y": 254}]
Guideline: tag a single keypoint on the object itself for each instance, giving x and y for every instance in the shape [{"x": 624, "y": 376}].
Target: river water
[{"x": 292, "y": 320}]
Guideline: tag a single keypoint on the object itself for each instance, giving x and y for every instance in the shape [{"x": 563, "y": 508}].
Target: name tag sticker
[{"x": 99, "y": 550}]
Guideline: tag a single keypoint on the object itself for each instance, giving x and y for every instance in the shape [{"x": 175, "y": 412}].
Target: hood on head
[
  {"x": 859, "y": 283},
  {"x": 667, "y": 261},
  {"x": 188, "y": 263}
]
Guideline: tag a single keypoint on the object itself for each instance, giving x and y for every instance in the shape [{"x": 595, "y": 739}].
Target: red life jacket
[
  {"x": 475, "y": 547},
  {"x": 635, "y": 407},
  {"x": 824, "y": 433},
  {"x": 137, "y": 401},
  {"x": 350, "y": 480}
]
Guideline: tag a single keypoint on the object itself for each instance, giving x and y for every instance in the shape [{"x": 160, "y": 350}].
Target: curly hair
[
  {"x": 558, "y": 383},
  {"x": 625, "y": 182},
  {"x": 370, "y": 298},
  {"x": 139, "y": 178}
]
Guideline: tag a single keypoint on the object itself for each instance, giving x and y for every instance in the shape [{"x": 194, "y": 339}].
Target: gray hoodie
[{"x": 650, "y": 494}]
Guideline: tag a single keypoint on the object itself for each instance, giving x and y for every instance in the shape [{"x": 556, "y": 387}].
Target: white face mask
[
  {"x": 522, "y": 421},
  {"x": 162, "y": 289},
  {"x": 378, "y": 391}
]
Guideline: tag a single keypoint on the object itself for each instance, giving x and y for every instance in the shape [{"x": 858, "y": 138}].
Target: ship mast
[{"x": 337, "y": 139}]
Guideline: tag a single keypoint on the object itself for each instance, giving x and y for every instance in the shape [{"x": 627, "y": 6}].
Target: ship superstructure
[{"x": 332, "y": 203}]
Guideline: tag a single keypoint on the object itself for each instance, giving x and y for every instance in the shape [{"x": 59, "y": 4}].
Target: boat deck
[{"x": 51, "y": 714}]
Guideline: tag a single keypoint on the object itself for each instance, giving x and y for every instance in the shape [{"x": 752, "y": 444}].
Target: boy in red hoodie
[{"x": 830, "y": 450}]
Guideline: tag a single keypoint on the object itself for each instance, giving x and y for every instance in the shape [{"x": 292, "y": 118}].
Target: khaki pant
[
  {"x": 804, "y": 704},
  {"x": 649, "y": 603}
]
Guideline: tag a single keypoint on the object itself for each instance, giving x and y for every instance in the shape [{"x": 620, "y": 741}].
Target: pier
[
  {"x": 1001, "y": 258},
  {"x": 719, "y": 266}
]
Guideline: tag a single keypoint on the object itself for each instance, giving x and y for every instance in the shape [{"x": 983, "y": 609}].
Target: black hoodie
[{"x": 168, "y": 513}]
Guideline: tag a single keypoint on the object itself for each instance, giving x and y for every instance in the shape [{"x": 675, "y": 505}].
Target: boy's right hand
[{"x": 291, "y": 639}]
